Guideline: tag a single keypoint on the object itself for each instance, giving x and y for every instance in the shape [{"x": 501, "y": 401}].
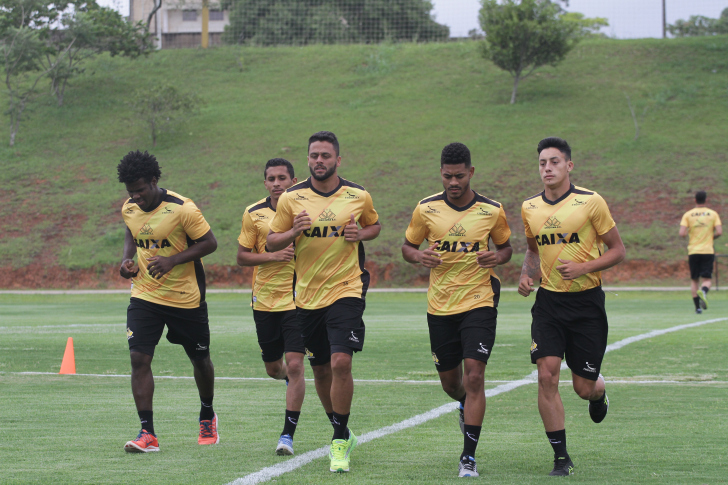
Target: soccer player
[
  {"x": 458, "y": 225},
  {"x": 274, "y": 312},
  {"x": 169, "y": 236},
  {"x": 702, "y": 225},
  {"x": 322, "y": 215},
  {"x": 565, "y": 228}
]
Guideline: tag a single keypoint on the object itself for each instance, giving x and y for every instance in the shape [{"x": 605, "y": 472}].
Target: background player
[
  {"x": 464, "y": 291},
  {"x": 565, "y": 227},
  {"x": 702, "y": 225},
  {"x": 321, "y": 214},
  {"x": 169, "y": 236},
  {"x": 274, "y": 312}
]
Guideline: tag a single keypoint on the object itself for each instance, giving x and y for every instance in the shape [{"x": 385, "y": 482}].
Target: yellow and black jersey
[
  {"x": 272, "y": 282},
  {"x": 168, "y": 229},
  {"x": 700, "y": 223},
  {"x": 328, "y": 267},
  {"x": 458, "y": 284},
  {"x": 568, "y": 228}
]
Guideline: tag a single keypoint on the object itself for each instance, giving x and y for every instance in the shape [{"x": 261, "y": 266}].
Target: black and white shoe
[
  {"x": 598, "y": 409},
  {"x": 563, "y": 467},
  {"x": 467, "y": 467}
]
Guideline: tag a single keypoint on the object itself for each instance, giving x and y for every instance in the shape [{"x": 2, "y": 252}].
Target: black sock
[
  {"x": 206, "y": 412},
  {"x": 291, "y": 422},
  {"x": 147, "y": 419},
  {"x": 705, "y": 289},
  {"x": 462, "y": 401},
  {"x": 696, "y": 300},
  {"x": 331, "y": 418},
  {"x": 340, "y": 421},
  {"x": 599, "y": 400},
  {"x": 558, "y": 443},
  {"x": 287, "y": 380},
  {"x": 470, "y": 440}
]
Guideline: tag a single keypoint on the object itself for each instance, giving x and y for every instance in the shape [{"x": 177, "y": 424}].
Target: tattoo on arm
[{"x": 531, "y": 265}]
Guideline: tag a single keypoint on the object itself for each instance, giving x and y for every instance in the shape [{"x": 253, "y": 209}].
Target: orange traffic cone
[{"x": 68, "y": 365}]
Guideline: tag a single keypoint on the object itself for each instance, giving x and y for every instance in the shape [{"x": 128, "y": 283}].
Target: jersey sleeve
[
  {"x": 248, "y": 233},
  {"x": 501, "y": 232},
  {"x": 684, "y": 221},
  {"x": 601, "y": 218},
  {"x": 283, "y": 220},
  {"x": 368, "y": 216},
  {"x": 193, "y": 222},
  {"x": 417, "y": 230},
  {"x": 526, "y": 226}
]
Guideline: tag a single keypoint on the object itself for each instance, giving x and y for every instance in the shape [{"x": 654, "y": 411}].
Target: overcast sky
[{"x": 627, "y": 18}]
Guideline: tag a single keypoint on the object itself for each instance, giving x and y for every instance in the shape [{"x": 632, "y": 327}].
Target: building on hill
[{"x": 179, "y": 22}]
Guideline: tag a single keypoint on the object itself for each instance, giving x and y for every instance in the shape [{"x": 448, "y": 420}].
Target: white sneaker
[
  {"x": 467, "y": 467},
  {"x": 285, "y": 445}
]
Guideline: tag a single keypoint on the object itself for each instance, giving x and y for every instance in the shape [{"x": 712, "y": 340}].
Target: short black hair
[
  {"x": 278, "y": 162},
  {"x": 555, "y": 142},
  {"x": 454, "y": 154},
  {"x": 137, "y": 165},
  {"x": 700, "y": 196},
  {"x": 325, "y": 136}
]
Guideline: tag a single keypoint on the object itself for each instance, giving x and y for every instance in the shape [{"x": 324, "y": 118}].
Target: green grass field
[{"x": 71, "y": 429}]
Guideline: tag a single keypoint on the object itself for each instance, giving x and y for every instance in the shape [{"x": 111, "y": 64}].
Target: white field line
[{"x": 277, "y": 470}]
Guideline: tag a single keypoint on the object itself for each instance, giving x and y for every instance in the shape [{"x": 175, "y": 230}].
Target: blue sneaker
[{"x": 285, "y": 445}]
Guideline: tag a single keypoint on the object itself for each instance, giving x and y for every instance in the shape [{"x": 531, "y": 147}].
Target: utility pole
[
  {"x": 206, "y": 23},
  {"x": 664, "y": 20}
]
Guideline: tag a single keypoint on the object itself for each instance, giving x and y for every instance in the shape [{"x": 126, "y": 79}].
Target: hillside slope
[{"x": 393, "y": 108}]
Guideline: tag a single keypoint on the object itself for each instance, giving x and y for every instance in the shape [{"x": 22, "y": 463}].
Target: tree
[
  {"x": 521, "y": 36},
  {"x": 698, "y": 25},
  {"x": 161, "y": 106},
  {"x": 588, "y": 27},
  {"x": 301, "y": 22}
]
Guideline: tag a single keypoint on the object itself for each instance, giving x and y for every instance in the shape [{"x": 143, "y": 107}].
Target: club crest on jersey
[
  {"x": 349, "y": 195},
  {"x": 534, "y": 347},
  {"x": 146, "y": 230},
  {"x": 578, "y": 202},
  {"x": 552, "y": 223},
  {"x": 557, "y": 238},
  {"x": 435, "y": 359},
  {"x": 308, "y": 353},
  {"x": 431, "y": 210},
  {"x": 129, "y": 333},
  {"x": 327, "y": 215},
  {"x": 457, "y": 230}
]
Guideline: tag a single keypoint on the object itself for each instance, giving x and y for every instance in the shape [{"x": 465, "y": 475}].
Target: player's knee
[
  {"x": 341, "y": 366},
  {"x": 295, "y": 368},
  {"x": 585, "y": 390},
  {"x": 473, "y": 382},
  {"x": 548, "y": 380},
  {"x": 140, "y": 361}
]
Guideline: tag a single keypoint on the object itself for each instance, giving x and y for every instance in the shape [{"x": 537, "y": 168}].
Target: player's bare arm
[
  {"x": 161, "y": 265},
  {"x": 352, "y": 233},
  {"x": 128, "y": 268},
  {"x": 683, "y": 231},
  {"x": 429, "y": 258},
  {"x": 571, "y": 270},
  {"x": 280, "y": 240},
  {"x": 246, "y": 256},
  {"x": 718, "y": 232},
  {"x": 491, "y": 259},
  {"x": 531, "y": 269}
]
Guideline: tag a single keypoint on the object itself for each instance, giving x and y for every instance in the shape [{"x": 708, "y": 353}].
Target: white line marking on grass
[{"x": 277, "y": 470}]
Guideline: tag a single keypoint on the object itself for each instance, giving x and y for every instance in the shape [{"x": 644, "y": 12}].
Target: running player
[
  {"x": 274, "y": 312},
  {"x": 702, "y": 225},
  {"x": 458, "y": 225},
  {"x": 565, "y": 227},
  {"x": 169, "y": 236},
  {"x": 321, "y": 215}
]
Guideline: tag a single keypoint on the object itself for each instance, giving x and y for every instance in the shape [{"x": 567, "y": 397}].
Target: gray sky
[{"x": 627, "y": 18}]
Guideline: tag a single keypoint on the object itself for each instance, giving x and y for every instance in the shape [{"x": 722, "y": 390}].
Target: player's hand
[
  {"x": 128, "y": 269},
  {"x": 159, "y": 266},
  {"x": 301, "y": 222},
  {"x": 525, "y": 286},
  {"x": 430, "y": 258},
  {"x": 284, "y": 255},
  {"x": 570, "y": 270},
  {"x": 487, "y": 259},
  {"x": 351, "y": 230}
]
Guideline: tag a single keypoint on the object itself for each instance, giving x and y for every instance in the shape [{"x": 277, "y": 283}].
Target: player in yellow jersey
[
  {"x": 322, "y": 216},
  {"x": 702, "y": 225},
  {"x": 274, "y": 312},
  {"x": 565, "y": 228},
  {"x": 457, "y": 226},
  {"x": 169, "y": 236}
]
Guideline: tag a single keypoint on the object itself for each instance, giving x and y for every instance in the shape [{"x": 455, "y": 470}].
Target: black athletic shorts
[
  {"x": 572, "y": 325},
  {"x": 336, "y": 328},
  {"x": 467, "y": 335},
  {"x": 701, "y": 265},
  {"x": 278, "y": 332},
  {"x": 188, "y": 327}
]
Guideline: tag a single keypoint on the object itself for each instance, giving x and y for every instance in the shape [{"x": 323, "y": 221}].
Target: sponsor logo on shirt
[
  {"x": 327, "y": 215},
  {"x": 146, "y": 230},
  {"x": 457, "y": 230}
]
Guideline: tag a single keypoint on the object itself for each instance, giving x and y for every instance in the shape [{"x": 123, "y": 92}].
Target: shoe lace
[
  {"x": 338, "y": 450},
  {"x": 286, "y": 439},
  {"x": 144, "y": 436},
  {"x": 468, "y": 464},
  {"x": 561, "y": 463},
  {"x": 206, "y": 429}
]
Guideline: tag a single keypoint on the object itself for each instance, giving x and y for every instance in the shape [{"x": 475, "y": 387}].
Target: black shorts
[
  {"x": 467, "y": 335},
  {"x": 278, "y": 332},
  {"x": 571, "y": 324},
  {"x": 336, "y": 328},
  {"x": 188, "y": 327},
  {"x": 701, "y": 266}
]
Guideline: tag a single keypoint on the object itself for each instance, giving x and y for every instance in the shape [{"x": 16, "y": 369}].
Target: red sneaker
[
  {"x": 144, "y": 443},
  {"x": 208, "y": 432}
]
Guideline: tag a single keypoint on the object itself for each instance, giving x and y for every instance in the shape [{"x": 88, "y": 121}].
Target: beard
[{"x": 323, "y": 177}]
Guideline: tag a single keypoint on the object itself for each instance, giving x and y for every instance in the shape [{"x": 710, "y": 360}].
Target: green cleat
[
  {"x": 340, "y": 453},
  {"x": 703, "y": 299}
]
